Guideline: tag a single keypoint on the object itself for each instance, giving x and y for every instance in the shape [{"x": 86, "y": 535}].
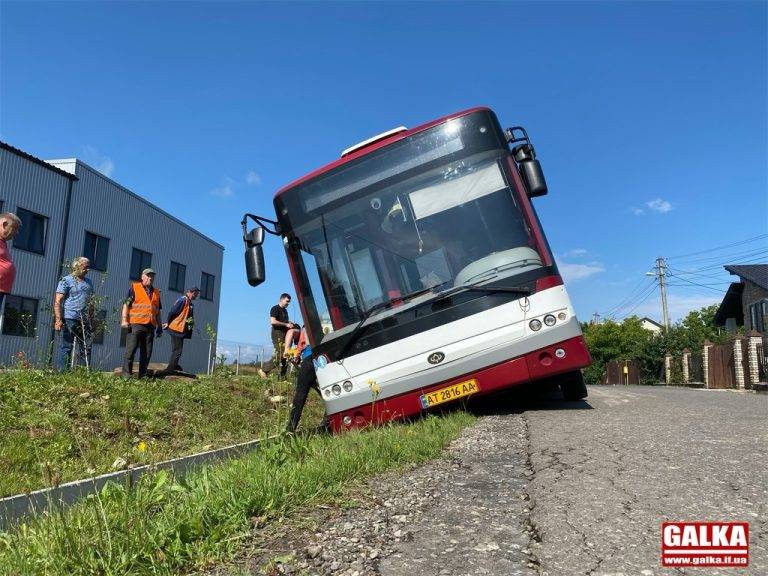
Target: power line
[
  {"x": 639, "y": 288},
  {"x": 741, "y": 242},
  {"x": 722, "y": 257},
  {"x": 745, "y": 260},
  {"x": 642, "y": 297},
  {"x": 701, "y": 285},
  {"x": 713, "y": 275},
  {"x": 648, "y": 295}
]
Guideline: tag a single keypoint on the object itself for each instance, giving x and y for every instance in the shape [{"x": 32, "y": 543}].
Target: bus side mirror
[
  {"x": 254, "y": 256},
  {"x": 531, "y": 170}
]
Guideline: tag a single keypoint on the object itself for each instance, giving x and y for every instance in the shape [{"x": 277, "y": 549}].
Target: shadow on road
[{"x": 523, "y": 398}]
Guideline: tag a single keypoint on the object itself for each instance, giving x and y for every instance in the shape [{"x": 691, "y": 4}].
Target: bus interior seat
[{"x": 520, "y": 259}]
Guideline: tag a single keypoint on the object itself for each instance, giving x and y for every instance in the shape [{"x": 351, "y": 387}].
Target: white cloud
[
  {"x": 659, "y": 205},
  {"x": 572, "y": 272},
  {"x": 101, "y": 162},
  {"x": 637, "y": 211},
  {"x": 224, "y": 191},
  {"x": 252, "y": 178},
  {"x": 575, "y": 253}
]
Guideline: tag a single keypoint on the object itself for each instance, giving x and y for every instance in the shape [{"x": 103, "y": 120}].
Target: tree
[{"x": 628, "y": 340}]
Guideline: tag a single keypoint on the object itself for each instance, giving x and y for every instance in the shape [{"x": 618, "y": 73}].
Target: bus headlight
[
  {"x": 549, "y": 320},
  {"x": 327, "y": 391},
  {"x": 535, "y": 325},
  {"x": 347, "y": 420},
  {"x": 347, "y": 386},
  {"x": 336, "y": 389},
  {"x": 561, "y": 316}
]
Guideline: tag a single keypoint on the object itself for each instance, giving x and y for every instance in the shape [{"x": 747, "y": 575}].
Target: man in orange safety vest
[
  {"x": 141, "y": 314},
  {"x": 180, "y": 321}
]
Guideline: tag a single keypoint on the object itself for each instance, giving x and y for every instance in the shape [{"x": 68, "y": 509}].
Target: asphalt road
[
  {"x": 606, "y": 476},
  {"x": 547, "y": 487}
]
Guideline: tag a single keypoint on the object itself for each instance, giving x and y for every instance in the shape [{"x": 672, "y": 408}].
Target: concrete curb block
[{"x": 16, "y": 508}]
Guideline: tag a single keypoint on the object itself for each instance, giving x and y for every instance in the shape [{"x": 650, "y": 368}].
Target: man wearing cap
[
  {"x": 141, "y": 314},
  {"x": 180, "y": 321}
]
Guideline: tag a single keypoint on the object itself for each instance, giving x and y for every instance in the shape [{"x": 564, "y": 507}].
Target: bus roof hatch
[{"x": 373, "y": 140}]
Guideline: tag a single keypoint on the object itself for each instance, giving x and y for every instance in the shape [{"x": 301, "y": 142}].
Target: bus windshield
[{"x": 400, "y": 234}]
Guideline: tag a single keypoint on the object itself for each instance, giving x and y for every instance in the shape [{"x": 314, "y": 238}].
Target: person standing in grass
[
  {"x": 73, "y": 313},
  {"x": 179, "y": 324},
  {"x": 141, "y": 314},
  {"x": 9, "y": 227},
  {"x": 305, "y": 381},
  {"x": 278, "y": 319}
]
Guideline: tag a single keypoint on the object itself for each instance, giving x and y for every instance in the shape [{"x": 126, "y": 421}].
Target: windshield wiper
[
  {"x": 358, "y": 329},
  {"x": 521, "y": 290}
]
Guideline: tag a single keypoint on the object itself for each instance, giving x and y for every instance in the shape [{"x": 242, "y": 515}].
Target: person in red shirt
[{"x": 9, "y": 227}]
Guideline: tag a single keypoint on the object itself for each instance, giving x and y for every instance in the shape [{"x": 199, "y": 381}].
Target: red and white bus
[{"x": 422, "y": 270}]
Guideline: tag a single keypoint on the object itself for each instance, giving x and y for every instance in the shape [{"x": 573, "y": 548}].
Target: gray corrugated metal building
[{"x": 70, "y": 209}]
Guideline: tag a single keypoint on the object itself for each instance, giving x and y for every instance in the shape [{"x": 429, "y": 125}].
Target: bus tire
[{"x": 572, "y": 386}]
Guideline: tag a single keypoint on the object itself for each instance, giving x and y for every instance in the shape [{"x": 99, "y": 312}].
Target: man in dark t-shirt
[{"x": 278, "y": 319}]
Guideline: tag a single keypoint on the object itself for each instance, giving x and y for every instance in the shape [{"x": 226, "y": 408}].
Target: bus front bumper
[{"x": 551, "y": 360}]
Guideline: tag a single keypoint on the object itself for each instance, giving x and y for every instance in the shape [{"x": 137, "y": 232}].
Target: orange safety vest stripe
[
  {"x": 144, "y": 309},
  {"x": 179, "y": 324}
]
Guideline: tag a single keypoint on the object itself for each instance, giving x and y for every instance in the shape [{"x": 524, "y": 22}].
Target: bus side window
[{"x": 318, "y": 293}]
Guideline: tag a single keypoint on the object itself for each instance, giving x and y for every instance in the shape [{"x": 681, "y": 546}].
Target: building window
[
  {"x": 96, "y": 249},
  {"x": 207, "y": 282},
  {"x": 20, "y": 316},
  {"x": 178, "y": 277},
  {"x": 31, "y": 236},
  {"x": 99, "y": 326},
  {"x": 757, "y": 315},
  {"x": 139, "y": 261}
]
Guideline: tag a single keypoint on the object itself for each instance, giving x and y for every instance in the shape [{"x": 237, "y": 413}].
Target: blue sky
[{"x": 649, "y": 118}]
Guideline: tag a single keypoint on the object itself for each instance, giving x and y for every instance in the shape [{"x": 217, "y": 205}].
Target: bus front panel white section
[{"x": 469, "y": 344}]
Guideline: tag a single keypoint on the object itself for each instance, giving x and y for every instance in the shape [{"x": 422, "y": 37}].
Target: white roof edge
[
  {"x": 60, "y": 162},
  {"x": 76, "y": 161},
  {"x": 381, "y": 136}
]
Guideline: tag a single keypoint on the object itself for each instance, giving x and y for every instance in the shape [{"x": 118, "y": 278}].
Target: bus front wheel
[{"x": 572, "y": 386}]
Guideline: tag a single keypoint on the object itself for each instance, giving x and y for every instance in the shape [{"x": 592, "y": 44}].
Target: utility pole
[
  {"x": 661, "y": 266},
  {"x": 661, "y": 275},
  {"x": 596, "y": 318}
]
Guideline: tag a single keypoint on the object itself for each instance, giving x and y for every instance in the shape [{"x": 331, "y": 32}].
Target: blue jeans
[{"x": 74, "y": 329}]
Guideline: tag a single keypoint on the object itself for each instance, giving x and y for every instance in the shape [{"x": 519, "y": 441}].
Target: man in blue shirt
[{"x": 73, "y": 313}]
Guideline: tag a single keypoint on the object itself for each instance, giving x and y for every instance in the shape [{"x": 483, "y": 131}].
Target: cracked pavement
[
  {"x": 547, "y": 487},
  {"x": 607, "y": 476}
]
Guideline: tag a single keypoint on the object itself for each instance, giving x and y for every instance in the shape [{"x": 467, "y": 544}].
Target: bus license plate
[{"x": 449, "y": 393}]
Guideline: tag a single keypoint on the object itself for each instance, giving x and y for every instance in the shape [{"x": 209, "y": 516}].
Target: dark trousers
[
  {"x": 142, "y": 336},
  {"x": 278, "y": 343},
  {"x": 177, "y": 345},
  {"x": 304, "y": 382},
  {"x": 71, "y": 331}
]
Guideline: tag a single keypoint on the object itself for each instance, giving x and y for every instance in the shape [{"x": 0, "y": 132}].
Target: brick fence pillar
[
  {"x": 705, "y": 361},
  {"x": 754, "y": 339},
  {"x": 667, "y": 368},
  {"x": 686, "y": 360},
  {"x": 738, "y": 363}
]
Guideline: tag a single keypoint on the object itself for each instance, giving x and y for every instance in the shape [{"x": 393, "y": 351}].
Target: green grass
[
  {"x": 55, "y": 428},
  {"x": 167, "y": 525}
]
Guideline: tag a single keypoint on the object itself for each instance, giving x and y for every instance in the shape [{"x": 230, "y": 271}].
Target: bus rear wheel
[{"x": 572, "y": 386}]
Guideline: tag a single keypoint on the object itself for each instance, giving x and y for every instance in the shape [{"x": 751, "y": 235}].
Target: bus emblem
[{"x": 436, "y": 358}]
